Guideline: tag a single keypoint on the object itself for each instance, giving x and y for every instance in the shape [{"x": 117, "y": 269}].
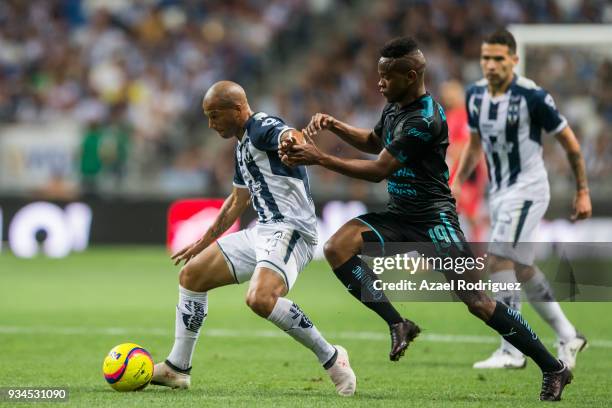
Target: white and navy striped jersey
[
  {"x": 510, "y": 127},
  {"x": 279, "y": 193}
]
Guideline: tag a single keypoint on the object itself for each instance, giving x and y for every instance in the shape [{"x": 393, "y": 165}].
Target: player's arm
[
  {"x": 582, "y": 199},
  {"x": 370, "y": 170},
  {"x": 470, "y": 156},
  {"x": 362, "y": 139},
  {"x": 232, "y": 208},
  {"x": 472, "y": 153}
]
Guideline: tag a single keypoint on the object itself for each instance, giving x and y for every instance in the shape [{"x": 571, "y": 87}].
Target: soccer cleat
[
  {"x": 166, "y": 376},
  {"x": 553, "y": 384},
  {"x": 568, "y": 350},
  {"x": 402, "y": 334},
  {"x": 342, "y": 374},
  {"x": 502, "y": 359}
]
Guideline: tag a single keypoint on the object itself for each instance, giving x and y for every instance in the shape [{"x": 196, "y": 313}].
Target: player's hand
[
  {"x": 582, "y": 206},
  {"x": 318, "y": 122},
  {"x": 285, "y": 145},
  {"x": 302, "y": 154},
  {"x": 188, "y": 252}
]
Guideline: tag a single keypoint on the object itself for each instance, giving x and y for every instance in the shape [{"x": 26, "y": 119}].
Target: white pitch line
[{"x": 349, "y": 335}]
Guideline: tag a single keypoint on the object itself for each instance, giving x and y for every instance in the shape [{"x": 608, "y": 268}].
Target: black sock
[
  {"x": 355, "y": 275},
  {"x": 178, "y": 370},
  {"x": 513, "y": 328},
  {"x": 331, "y": 361}
]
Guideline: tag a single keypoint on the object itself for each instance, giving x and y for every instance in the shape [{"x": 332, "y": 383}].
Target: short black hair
[
  {"x": 399, "y": 47},
  {"x": 502, "y": 37}
]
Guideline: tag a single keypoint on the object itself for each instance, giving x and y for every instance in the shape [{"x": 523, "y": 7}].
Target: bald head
[
  {"x": 227, "y": 108},
  {"x": 224, "y": 95}
]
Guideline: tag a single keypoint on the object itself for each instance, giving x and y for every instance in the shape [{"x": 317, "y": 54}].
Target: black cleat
[
  {"x": 401, "y": 335},
  {"x": 553, "y": 384}
]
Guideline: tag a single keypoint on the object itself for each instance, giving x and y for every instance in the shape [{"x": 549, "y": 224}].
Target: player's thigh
[
  {"x": 283, "y": 250},
  {"x": 238, "y": 250},
  {"x": 207, "y": 270},
  {"x": 514, "y": 227},
  {"x": 347, "y": 242},
  {"x": 516, "y": 219}
]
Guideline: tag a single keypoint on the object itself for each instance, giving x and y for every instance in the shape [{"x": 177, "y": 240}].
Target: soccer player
[
  {"x": 270, "y": 255},
  {"x": 411, "y": 140},
  {"x": 507, "y": 114}
]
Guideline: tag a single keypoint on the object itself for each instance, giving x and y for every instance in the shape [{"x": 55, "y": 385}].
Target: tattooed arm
[
  {"x": 232, "y": 208},
  {"x": 582, "y": 199}
]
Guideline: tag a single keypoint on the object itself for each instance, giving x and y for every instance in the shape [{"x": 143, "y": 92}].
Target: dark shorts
[{"x": 391, "y": 234}]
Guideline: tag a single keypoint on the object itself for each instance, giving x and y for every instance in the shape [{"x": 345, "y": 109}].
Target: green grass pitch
[{"x": 58, "y": 319}]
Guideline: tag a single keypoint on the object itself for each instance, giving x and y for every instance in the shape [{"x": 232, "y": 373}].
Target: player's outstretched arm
[
  {"x": 468, "y": 161},
  {"x": 232, "y": 208},
  {"x": 370, "y": 170},
  {"x": 362, "y": 139},
  {"x": 582, "y": 199}
]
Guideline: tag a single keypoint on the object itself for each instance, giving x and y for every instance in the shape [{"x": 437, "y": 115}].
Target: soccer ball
[{"x": 128, "y": 367}]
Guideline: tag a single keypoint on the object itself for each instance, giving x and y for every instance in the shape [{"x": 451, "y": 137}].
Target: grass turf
[{"x": 58, "y": 319}]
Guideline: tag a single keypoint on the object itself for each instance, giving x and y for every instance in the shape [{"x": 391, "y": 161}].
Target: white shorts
[
  {"x": 276, "y": 246},
  {"x": 514, "y": 222}
]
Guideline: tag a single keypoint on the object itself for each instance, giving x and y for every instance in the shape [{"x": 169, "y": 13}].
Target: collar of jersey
[
  {"x": 245, "y": 136},
  {"x": 498, "y": 98},
  {"x": 413, "y": 103}
]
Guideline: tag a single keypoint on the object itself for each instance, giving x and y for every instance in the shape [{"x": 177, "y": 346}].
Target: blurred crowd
[{"x": 133, "y": 72}]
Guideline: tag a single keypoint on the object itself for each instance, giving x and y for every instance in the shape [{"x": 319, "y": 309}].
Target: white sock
[
  {"x": 542, "y": 299},
  {"x": 191, "y": 311},
  {"x": 290, "y": 318},
  {"x": 511, "y": 298}
]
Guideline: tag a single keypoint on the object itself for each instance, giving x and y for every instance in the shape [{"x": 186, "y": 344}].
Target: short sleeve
[
  {"x": 472, "y": 108},
  {"x": 545, "y": 113},
  {"x": 409, "y": 140},
  {"x": 265, "y": 131},
  {"x": 238, "y": 180}
]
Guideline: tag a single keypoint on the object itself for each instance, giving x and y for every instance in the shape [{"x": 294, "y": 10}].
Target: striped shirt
[
  {"x": 279, "y": 193},
  {"x": 510, "y": 128}
]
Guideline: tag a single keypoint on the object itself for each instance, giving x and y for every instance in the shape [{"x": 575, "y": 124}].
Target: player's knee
[
  {"x": 330, "y": 250},
  {"x": 336, "y": 252},
  {"x": 188, "y": 277},
  {"x": 481, "y": 307},
  {"x": 524, "y": 272},
  {"x": 192, "y": 278},
  {"x": 261, "y": 301}
]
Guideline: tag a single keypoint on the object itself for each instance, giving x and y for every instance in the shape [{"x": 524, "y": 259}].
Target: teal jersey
[{"x": 417, "y": 136}]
